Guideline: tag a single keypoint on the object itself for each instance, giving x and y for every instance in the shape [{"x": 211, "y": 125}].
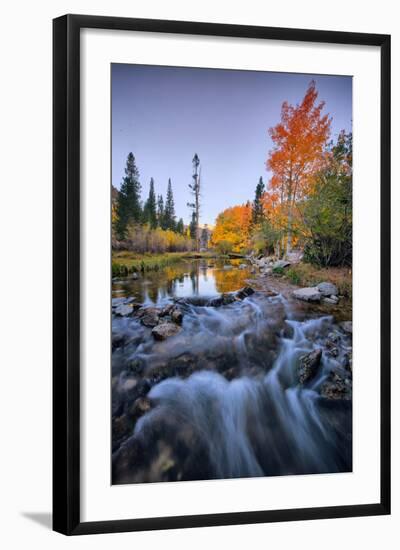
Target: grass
[
  {"x": 125, "y": 262},
  {"x": 303, "y": 274}
]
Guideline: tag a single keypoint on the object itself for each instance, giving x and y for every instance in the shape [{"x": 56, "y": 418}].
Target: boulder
[
  {"x": 135, "y": 275},
  {"x": 123, "y": 310},
  {"x": 242, "y": 266},
  {"x": 227, "y": 267},
  {"x": 308, "y": 365},
  {"x": 223, "y": 300},
  {"x": 308, "y": 294},
  {"x": 149, "y": 316},
  {"x": 347, "y": 326},
  {"x": 328, "y": 289},
  {"x": 165, "y": 330},
  {"x": 177, "y": 316}
]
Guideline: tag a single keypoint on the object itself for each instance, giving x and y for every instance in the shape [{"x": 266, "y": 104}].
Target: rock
[
  {"x": 328, "y": 289},
  {"x": 123, "y": 310},
  {"x": 334, "y": 298},
  {"x": 117, "y": 340},
  {"x": 149, "y": 316},
  {"x": 294, "y": 256},
  {"x": 244, "y": 292},
  {"x": 177, "y": 316},
  {"x": 227, "y": 267},
  {"x": 308, "y": 294},
  {"x": 129, "y": 300},
  {"x": 281, "y": 264},
  {"x": 139, "y": 407},
  {"x": 165, "y": 330},
  {"x": 223, "y": 300},
  {"x": 242, "y": 266},
  {"x": 308, "y": 365},
  {"x": 337, "y": 386},
  {"x": 333, "y": 337},
  {"x": 329, "y": 301},
  {"x": 347, "y": 362},
  {"x": 270, "y": 293},
  {"x": 347, "y": 326},
  {"x": 135, "y": 275},
  {"x": 117, "y": 302},
  {"x": 167, "y": 310},
  {"x": 266, "y": 271},
  {"x": 333, "y": 351}
]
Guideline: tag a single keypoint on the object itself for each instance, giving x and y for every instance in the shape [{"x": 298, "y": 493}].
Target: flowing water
[{"x": 222, "y": 398}]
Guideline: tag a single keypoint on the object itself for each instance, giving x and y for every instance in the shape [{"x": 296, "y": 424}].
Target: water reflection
[{"x": 203, "y": 278}]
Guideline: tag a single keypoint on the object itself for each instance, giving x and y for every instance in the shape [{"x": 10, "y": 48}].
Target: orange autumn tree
[
  {"x": 232, "y": 229},
  {"x": 298, "y": 153}
]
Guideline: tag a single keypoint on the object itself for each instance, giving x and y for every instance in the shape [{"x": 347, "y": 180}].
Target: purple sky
[{"x": 166, "y": 114}]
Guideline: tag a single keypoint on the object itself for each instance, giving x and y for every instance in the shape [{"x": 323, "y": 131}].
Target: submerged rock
[
  {"x": 308, "y": 365},
  {"x": 123, "y": 310},
  {"x": 308, "y": 294},
  {"x": 165, "y": 330},
  {"x": 328, "y": 289}
]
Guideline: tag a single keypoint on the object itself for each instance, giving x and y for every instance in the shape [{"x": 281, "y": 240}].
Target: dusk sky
[{"x": 165, "y": 114}]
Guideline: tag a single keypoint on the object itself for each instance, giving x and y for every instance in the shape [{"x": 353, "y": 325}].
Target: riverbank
[{"x": 125, "y": 262}]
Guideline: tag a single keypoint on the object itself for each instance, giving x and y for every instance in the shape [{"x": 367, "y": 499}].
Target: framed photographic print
[{"x": 221, "y": 274}]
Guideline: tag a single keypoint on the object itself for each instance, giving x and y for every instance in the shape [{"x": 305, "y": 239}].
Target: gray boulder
[
  {"x": 308, "y": 294},
  {"x": 328, "y": 289},
  {"x": 165, "y": 330},
  {"x": 123, "y": 310}
]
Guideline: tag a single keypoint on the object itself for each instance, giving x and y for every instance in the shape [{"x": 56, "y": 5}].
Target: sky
[{"x": 164, "y": 115}]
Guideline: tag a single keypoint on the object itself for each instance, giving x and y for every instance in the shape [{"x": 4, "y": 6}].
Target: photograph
[{"x": 231, "y": 260}]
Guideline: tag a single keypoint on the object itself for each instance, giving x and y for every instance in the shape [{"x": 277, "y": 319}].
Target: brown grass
[{"x": 303, "y": 274}]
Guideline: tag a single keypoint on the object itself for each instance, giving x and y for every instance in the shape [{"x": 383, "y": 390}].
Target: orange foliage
[
  {"x": 233, "y": 227},
  {"x": 299, "y": 146},
  {"x": 299, "y": 152}
]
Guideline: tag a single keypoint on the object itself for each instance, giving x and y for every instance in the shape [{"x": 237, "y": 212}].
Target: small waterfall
[{"x": 262, "y": 422}]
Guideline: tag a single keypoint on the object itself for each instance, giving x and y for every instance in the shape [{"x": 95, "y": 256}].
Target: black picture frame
[{"x": 66, "y": 274}]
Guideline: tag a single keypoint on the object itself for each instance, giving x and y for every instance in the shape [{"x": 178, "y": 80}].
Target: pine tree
[
  {"x": 169, "y": 211},
  {"x": 150, "y": 208},
  {"x": 258, "y": 210},
  {"x": 195, "y": 206},
  {"x": 128, "y": 209},
  {"x": 180, "y": 228},
  {"x": 160, "y": 212}
]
